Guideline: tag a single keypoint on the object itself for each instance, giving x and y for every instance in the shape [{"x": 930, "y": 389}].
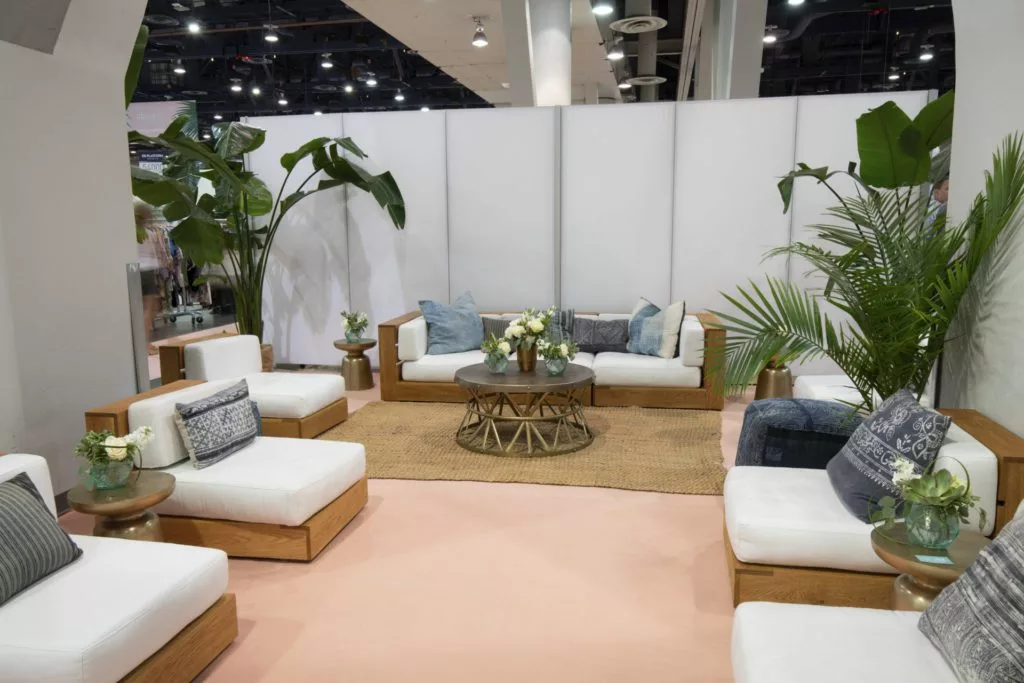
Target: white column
[
  {"x": 590, "y": 94},
  {"x": 515, "y": 21},
  {"x": 550, "y": 24},
  {"x": 704, "y": 86},
  {"x": 739, "y": 48}
]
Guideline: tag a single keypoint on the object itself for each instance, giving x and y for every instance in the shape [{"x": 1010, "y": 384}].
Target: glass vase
[
  {"x": 556, "y": 366},
  {"x": 353, "y": 336},
  {"x": 930, "y": 526},
  {"x": 496, "y": 364},
  {"x": 112, "y": 474}
]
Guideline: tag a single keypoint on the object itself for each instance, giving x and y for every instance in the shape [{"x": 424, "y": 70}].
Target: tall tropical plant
[
  {"x": 898, "y": 273},
  {"x": 235, "y": 226}
]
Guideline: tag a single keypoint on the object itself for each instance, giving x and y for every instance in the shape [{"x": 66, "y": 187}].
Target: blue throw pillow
[
  {"x": 645, "y": 328},
  {"x": 452, "y": 329}
]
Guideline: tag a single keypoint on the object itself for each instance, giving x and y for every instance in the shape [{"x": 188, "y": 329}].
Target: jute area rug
[{"x": 639, "y": 449}]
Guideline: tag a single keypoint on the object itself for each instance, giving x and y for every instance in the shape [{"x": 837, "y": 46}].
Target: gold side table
[
  {"x": 355, "y": 367},
  {"x": 922, "y": 580},
  {"x": 124, "y": 512}
]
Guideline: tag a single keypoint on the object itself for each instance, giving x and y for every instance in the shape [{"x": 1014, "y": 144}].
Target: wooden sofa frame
[
  {"x": 708, "y": 396},
  {"x": 840, "y": 588},
  {"x": 114, "y": 416},
  {"x": 241, "y": 539}
]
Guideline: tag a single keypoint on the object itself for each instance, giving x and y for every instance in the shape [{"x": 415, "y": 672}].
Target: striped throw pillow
[
  {"x": 217, "y": 426},
  {"x": 32, "y": 544}
]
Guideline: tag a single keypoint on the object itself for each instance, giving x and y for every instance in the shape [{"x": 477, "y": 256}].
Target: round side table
[
  {"x": 355, "y": 367},
  {"x": 124, "y": 512},
  {"x": 922, "y": 580}
]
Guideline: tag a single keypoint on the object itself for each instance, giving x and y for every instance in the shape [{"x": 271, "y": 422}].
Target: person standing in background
[{"x": 940, "y": 195}]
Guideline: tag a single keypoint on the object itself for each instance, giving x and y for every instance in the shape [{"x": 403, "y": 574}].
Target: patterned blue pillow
[
  {"x": 452, "y": 329},
  {"x": 861, "y": 473},
  {"x": 655, "y": 332},
  {"x": 217, "y": 426}
]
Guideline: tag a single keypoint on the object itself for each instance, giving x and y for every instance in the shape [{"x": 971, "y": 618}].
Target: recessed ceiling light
[
  {"x": 372, "y": 82},
  {"x": 255, "y": 90},
  {"x": 603, "y": 8},
  {"x": 770, "y": 39},
  {"x": 625, "y": 85},
  {"x": 348, "y": 87},
  {"x": 399, "y": 97},
  {"x": 318, "y": 113},
  {"x": 217, "y": 117},
  {"x": 236, "y": 87},
  {"x": 326, "y": 61},
  {"x": 424, "y": 108},
  {"x": 194, "y": 27},
  {"x": 479, "y": 37},
  {"x": 283, "y": 102}
]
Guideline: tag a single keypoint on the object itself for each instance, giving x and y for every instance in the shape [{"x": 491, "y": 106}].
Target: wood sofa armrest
[
  {"x": 113, "y": 417},
  {"x": 387, "y": 344},
  {"x": 714, "y": 359}
]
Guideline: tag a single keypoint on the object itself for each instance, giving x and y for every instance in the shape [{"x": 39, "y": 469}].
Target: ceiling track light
[
  {"x": 603, "y": 8},
  {"x": 479, "y": 36}
]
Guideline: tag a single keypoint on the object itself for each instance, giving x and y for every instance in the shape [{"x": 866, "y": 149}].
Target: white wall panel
[
  {"x": 501, "y": 205},
  {"x": 616, "y": 205},
  {"x": 391, "y": 270},
  {"x": 307, "y": 275},
  {"x": 727, "y": 207}
]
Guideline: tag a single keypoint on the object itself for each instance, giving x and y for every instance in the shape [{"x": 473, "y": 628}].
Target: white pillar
[
  {"x": 515, "y": 21},
  {"x": 738, "y": 48},
  {"x": 590, "y": 95},
  {"x": 550, "y": 24},
  {"x": 704, "y": 86}
]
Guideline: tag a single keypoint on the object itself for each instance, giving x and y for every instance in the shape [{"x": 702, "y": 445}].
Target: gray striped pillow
[
  {"x": 32, "y": 544},
  {"x": 217, "y": 426}
]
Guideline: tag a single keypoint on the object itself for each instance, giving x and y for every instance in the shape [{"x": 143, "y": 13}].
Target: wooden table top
[
  {"x": 144, "y": 489},
  {"x": 896, "y": 551},
  {"x": 538, "y": 381},
  {"x": 361, "y": 345}
]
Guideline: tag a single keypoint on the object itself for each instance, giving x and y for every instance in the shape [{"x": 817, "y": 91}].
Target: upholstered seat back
[
  {"x": 37, "y": 470},
  {"x": 167, "y": 447},
  {"x": 223, "y": 358}
]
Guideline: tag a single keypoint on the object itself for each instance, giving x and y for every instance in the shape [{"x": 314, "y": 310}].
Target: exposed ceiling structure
[
  {"x": 844, "y": 46},
  {"x": 326, "y": 57}
]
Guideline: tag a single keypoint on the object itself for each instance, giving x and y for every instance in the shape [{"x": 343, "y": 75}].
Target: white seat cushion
[
  {"x": 224, "y": 358},
  {"x": 826, "y": 388},
  {"x": 584, "y": 359},
  {"x": 294, "y": 394},
  {"x": 273, "y": 481},
  {"x": 167, "y": 447},
  {"x": 631, "y": 369},
  {"x": 13, "y": 464},
  {"x": 781, "y": 643},
  {"x": 789, "y": 516},
  {"x": 101, "y": 616},
  {"x": 439, "y": 367}
]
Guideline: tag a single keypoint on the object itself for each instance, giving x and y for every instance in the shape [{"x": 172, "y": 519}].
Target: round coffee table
[
  {"x": 922, "y": 580},
  {"x": 124, "y": 512},
  {"x": 355, "y": 367},
  {"x": 524, "y": 413}
]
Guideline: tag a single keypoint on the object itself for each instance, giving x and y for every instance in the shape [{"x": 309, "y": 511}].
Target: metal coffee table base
[{"x": 500, "y": 423}]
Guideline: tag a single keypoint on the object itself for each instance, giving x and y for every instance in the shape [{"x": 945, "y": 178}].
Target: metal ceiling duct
[{"x": 640, "y": 21}]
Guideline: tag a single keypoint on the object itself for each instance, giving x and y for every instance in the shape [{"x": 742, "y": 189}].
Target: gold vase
[
  {"x": 527, "y": 358},
  {"x": 267, "y": 356},
  {"x": 775, "y": 381}
]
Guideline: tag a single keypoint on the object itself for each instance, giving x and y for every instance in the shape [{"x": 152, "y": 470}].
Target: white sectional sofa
[
  {"x": 409, "y": 373},
  {"x": 102, "y": 617},
  {"x": 789, "y": 538},
  {"x": 302, "y": 405},
  {"x": 280, "y": 498}
]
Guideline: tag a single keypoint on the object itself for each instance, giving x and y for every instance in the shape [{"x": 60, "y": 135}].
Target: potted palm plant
[
  {"x": 899, "y": 277},
  {"x": 234, "y": 228}
]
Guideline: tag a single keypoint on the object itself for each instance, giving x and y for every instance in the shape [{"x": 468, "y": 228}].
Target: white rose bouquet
[
  {"x": 103, "y": 447},
  {"x": 551, "y": 350},
  {"x": 529, "y": 327},
  {"x": 354, "y": 324},
  {"x": 496, "y": 347}
]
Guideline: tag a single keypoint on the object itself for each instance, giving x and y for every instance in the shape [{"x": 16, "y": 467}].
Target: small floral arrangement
[
  {"x": 102, "y": 447},
  {"x": 529, "y": 327},
  {"x": 354, "y": 324},
  {"x": 496, "y": 347},
  {"x": 550, "y": 350},
  {"x": 949, "y": 494}
]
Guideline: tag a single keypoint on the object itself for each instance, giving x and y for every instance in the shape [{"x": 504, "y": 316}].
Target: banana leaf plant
[
  {"x": 898, "y": 272},
  {"x": 234, "y": 228}
]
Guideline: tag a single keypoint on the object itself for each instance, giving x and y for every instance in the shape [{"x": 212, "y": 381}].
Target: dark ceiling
[
  {"x": 848, "y": 46},
  {"x": 230, "y": 49}
]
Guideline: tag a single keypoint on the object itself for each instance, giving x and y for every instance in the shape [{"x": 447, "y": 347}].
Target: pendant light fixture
[
  {"x": 326, "y": 62},
  {"x": 479, "y": 37},
  {"x": 615, "y": 52},
  {"x": 270, "y": 35},
  {"x": 603, "y": 8}
]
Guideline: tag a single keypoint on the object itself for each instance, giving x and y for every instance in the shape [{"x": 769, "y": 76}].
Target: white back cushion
[
  {"x": 412, "y": 339},
  {"x": 35, "y": 467},
  {"x": 224, "y": 358},
  {"x": 691, "y": 342},
  {"x": 167, "y": 447}
]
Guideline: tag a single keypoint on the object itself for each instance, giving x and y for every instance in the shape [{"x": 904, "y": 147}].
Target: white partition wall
[
  {"x": 501, "y": 205},
  {"x": 616, "y": 205},
  {"x": 391, "y": 270},
  {"x": 727, "y": 207},
  {"x": 307, "y": 276}
]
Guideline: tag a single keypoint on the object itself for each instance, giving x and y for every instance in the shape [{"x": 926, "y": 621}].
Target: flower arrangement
[
  {"x": 99, "y": 448},
  {"x": 552, "y": 350},
  {"x": 354, "y": 324},
  {"x": 934, "y": 503},
  {"x": 529, "y": 327},
  {"x": 497, "y": 351}
]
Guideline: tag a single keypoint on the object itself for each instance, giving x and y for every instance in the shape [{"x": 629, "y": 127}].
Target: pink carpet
[{"x": 466, "y": 581}]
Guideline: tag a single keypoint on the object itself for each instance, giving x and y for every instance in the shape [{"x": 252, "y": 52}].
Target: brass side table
[
  {"x": 355, "y": 367},
  {"x": 124, "y": 512},
  {"x": 922, "y": 580}
]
